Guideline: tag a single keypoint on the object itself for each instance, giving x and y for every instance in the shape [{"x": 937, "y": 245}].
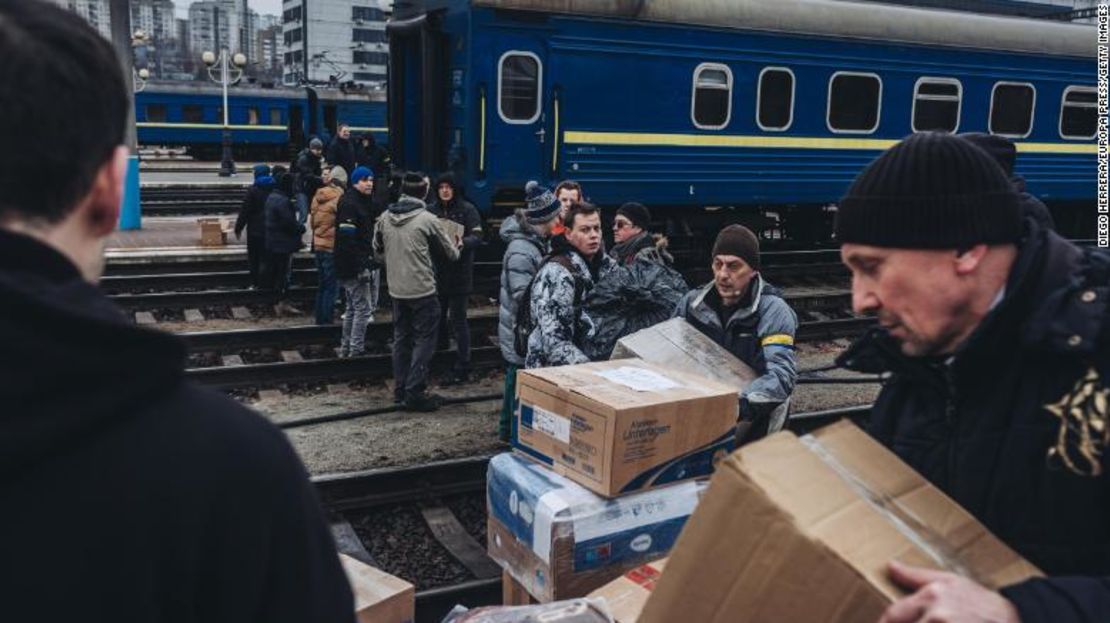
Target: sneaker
[{"x": 424, "y": 402}]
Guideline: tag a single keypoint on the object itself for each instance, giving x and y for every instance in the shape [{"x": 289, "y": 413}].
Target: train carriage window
[
  {"x": 1012, "y": 105},
  {"x": 253, "y": 116},
  {"x": 1078, "y": 117},
  {"x": 775, "y": 99},
  {"x": 192, "y": 113},
  {"x": 519, "y": 79},
  {"x": 275, "y": 116},
  {"x": 156, "y": 113},
  {"x": 855, "y": 103},
  {"x": 936, "y": 105},
  {"x": 711, "y": 105}
]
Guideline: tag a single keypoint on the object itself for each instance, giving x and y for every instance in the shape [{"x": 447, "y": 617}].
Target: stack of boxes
[{"x": 609, "y": 462}]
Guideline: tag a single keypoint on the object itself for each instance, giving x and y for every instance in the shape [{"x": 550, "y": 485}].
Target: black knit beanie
[
  {"x": 637, "y": 213},
  {"x": 739, "y": 241},
  {"x": 414, "y": 185},
  {"x": 930, "y": 191}
]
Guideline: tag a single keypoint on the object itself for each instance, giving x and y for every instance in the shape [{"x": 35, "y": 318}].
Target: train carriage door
[
  {"x": 519, "y": 142},
  {"x": 417, "y": 92}
]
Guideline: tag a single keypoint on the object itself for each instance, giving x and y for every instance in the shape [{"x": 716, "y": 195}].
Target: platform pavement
[
  {"x": 170, "y": 235},
  {"x": 201, "y": 178}
]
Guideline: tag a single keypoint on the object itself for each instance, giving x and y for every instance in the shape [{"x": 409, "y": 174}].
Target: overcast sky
[{"x": 264, "y": 7}]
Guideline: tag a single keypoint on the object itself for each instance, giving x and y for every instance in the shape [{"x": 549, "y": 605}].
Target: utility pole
[{"x": 130, "y": 212}]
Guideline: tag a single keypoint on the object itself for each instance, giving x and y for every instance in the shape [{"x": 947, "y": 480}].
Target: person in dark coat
[
  {"x": 283, "y": 239},
  {"x": 341, "y": 150},
  {"x": 455, "y": 280},
  {"x": 373, "y": 156},
  {"x": 308, "y": 176},
  {"x": 129, "y": 492},
  {"x": 1004, "y": 153},
  {"x": 252, "y": 217},
  {"x": 354, "y": 265},
  {"x": 996, "y": 336}
]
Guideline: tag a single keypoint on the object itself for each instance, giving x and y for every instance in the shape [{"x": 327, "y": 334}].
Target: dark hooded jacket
[
  {"x": 129, "y": 493},
  {"x": 1000, "y": 425},
  {"x": 307, "y": 173},
  {"x": 341, "y": 151},
  {"x": 252, "y": 213},
  {"x": 283, "y": 232},
  {"x": 455, "y": 278}
]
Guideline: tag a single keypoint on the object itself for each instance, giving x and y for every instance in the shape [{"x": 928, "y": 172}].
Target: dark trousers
[
  {"x": 415, "y": 322},
  {"x": 508, "y": 403},
  {"x": 327, "y": 288},
  {"x": 279, "y": 264},
  {"x": 455, "y": 305},
  {"x": 256, "y": 260}
]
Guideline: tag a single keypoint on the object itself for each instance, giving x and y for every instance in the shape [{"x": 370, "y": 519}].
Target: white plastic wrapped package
[{"x": 561, "y": 541}]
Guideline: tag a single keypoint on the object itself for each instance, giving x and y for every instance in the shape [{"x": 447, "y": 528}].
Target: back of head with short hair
[
  {"x": 63, "y": 111},
  {"x": 414, "y": 184},
  {"x": 578, "y": 208}
]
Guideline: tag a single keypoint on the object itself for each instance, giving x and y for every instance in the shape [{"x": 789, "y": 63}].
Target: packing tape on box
[{"x": 903, "y": 520}]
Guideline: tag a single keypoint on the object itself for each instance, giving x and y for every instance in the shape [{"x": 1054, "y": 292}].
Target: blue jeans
[
  {"x": 327, "y": 288},
  {"x": 303, "y": 201}
]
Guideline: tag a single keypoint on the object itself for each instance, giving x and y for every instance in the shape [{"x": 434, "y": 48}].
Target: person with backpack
[
  {"x": 283, "y": 239},
  {"x": 525, "y": 234},
  {"x": 559, "y": 326},
  {"x": 252, "y": 217}
]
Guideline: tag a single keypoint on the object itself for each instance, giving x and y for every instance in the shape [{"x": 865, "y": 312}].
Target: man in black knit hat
[
  {"x": 995, "y": 333},
  {"x": 747, "y": 316}
]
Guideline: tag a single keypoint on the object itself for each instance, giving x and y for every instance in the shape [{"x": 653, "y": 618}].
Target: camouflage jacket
[{"x": 561, "y": 325}]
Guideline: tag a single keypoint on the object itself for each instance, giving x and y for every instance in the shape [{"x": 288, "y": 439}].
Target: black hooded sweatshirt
[{"x": 130, "y": 494}]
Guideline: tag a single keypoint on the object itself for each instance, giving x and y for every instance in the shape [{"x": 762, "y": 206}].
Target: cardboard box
[
  {"x": 802, "y": 529},
  {"x": 625, "y": 596},
  {"x": 560, "y": 541},
  {"x": 571, "y": 611},
  {"x": 455, "y": 231},
  {"x": 677, "y": 345},
  {"x": 212, "y": 233},
  {"x": 621, "y": 426},
  {"x": 379, "y": 597}
]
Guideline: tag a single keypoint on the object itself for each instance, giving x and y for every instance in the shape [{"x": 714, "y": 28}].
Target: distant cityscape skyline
[{"x": 264, "y": 7}]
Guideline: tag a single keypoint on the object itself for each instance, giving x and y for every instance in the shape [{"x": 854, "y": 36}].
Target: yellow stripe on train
[{"x": 575, "y": 137}]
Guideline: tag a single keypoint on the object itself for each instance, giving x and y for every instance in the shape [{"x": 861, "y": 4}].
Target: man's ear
[
  {"x": 967, "y": 261},
  {"x": 103, "y": 205}
]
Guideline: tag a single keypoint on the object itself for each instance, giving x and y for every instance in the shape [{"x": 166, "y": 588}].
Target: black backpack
[{"x": 523, "y": 323}]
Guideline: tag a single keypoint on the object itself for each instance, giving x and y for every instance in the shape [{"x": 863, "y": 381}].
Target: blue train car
[
  {"x": 765, "y": 108},
  {"x": 266, "y": 124}
]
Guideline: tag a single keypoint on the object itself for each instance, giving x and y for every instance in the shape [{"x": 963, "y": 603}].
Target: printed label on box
[
  {"x": 551, "y": 424},
  {"x": 639, "y": 379}
]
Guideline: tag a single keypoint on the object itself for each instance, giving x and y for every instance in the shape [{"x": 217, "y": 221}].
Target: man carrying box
[
  {"x": 745, "y": 315},
  {"x": 995, "y": 332}
]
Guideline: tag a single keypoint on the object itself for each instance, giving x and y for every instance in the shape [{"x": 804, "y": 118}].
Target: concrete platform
[
  {"x": 169, "y": 235},
  {"x": 200, "y": 178}
]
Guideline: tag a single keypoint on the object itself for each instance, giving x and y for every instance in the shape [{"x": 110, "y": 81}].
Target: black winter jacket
[
  {"x": 252, "y": 213},
  {"x": 995, "y": 426},
  {"x": 341, "y": 152},
  {"x": 456, "y": 278},
  {"x": 130, "y": 493},
  {"x": 354, "y": 231},
  {"x": 283, "y": 232},
  {"x": 307, "y": 173}
]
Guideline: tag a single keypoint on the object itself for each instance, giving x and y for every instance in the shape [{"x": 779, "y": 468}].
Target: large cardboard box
[
  {"x": 561, "y": 541},
  {"x": 454, "y": 231},
  {"x": 677, "y": 345},
  {"x": 625, "y": 596},
  {"x": 621, "y": 426},
  {"x": 802, "y": 529},
  {"x": 379, "y": 597}
]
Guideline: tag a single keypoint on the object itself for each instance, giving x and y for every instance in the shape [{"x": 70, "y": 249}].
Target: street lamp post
[{"x": 224, "y": 62}]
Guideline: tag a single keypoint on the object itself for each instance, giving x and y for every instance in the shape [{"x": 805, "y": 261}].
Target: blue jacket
[
  {"x": 283, "y": 232},
  {"x": 760, "y": 334},
  {"x": 1013, "y": 426}
]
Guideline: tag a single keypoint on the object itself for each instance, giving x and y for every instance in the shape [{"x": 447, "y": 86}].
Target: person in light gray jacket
[
  {"x": 526, "y": 236},
  {"x": 747, "y": 316},
  {"x": 405, "y": 238}
]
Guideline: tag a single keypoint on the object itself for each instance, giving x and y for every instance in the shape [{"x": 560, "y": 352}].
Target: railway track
[{"x": 424, "y": 490}]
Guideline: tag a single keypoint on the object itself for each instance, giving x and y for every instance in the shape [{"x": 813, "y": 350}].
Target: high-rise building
[
  {"x": 332, "y": 41},
  {"x": 97, "y": 12},
  {"x": 268, "y": 53},
  {"x": 233, "y": 26}
]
